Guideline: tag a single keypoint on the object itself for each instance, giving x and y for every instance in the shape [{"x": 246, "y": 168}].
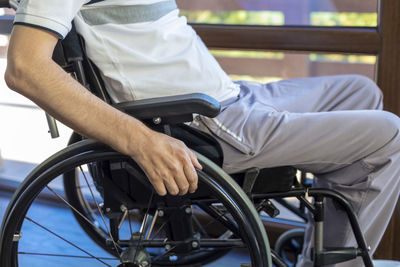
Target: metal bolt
[
  {"x": 195, "y": 244},
  {"x": 144, "y": 263},
  {"x": 157, "y": 120},
  {"x": 188, "y": 210},
  {"x": 369, "y": 248},
  {"x": 17, "y": 237},
  {"x": 123, "y": 208},
  {"x": 108, "y": 209},
  {"x": 167, "y": 247},
  {"x": 160, "y": 213}
]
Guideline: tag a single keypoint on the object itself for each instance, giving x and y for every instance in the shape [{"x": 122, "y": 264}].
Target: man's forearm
[
  {"x": 49, "y": 86},
  {"x": 167, "y": 162},
  {"x": 69, "y": 102}
]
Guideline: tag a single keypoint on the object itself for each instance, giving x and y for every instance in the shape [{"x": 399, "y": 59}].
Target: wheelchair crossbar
[{"x": 204, "y": 243}]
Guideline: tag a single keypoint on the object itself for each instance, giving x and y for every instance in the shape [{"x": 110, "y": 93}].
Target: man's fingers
[
  {"x": 195, "y": 161},
  {"x": 182, "y": 183},
  {"x": 171, "y": 186},
  {"x": 191, "y": 176},
  {"x": 171, "y": 166},
  {"x": 160, "y": 188}
]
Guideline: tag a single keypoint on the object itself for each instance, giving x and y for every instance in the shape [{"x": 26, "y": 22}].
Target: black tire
[
  {"x": 289, "y": 245},
  {"x": 221, "y": 185}
]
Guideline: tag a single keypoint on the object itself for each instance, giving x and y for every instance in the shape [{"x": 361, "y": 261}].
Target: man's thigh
[
  {"x": 255, "y": 131},
  {"x": 316, "y": 94},
  {"x": 316, "y": 142}
]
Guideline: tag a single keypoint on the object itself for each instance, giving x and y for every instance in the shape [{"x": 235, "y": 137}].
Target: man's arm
[{"x": 167, "y": 162}]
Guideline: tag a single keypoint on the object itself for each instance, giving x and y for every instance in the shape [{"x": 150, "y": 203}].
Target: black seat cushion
[{"x": 278, "y": 179}]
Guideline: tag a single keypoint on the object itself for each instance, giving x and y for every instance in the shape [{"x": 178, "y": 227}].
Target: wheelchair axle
[{"x": 135, "y": 256}]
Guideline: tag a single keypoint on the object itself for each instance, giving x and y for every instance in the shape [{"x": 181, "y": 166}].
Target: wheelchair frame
[{"x": 69, "y": 55}]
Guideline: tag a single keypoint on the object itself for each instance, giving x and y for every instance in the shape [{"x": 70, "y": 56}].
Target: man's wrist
[{"x": 136, "y": 135}]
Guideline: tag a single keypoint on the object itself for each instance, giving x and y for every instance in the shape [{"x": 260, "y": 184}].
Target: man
[{"x": 331, "y": 126}]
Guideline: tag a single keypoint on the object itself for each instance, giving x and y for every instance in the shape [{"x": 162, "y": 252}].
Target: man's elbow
[
  {"x": 16, "y": 76},
  {"x": 28, "y": 58},
  {"x": 10, "y": 79}
]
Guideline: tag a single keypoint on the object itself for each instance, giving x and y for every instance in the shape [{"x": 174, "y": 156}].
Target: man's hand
[{"x": 168, "y": 163}]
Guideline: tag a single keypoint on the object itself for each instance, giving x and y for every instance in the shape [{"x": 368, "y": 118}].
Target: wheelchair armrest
[
  {"x": 4, "y": 3},
  {"x": 9, "y": 4},
  {"x": 180, "y": 106}
]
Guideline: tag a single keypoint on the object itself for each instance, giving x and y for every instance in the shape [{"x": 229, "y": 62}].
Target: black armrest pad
[
  {"x": 170, "y": 106},
  {"x": 4, "y": 3}
]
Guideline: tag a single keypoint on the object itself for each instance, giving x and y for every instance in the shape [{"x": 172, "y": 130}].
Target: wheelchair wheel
[
  {"x": 27, "y": 235},
  {"x": 75, "y": 195},
  {"x": 289, "y": 245},
  {"x": 74, "y": 187}
]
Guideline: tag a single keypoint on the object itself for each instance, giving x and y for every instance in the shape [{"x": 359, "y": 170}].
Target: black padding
[
  {"x": 199, "y": 141},
  {"x": 58, "y": 54},
  {"x": 277, "y": 179},
  {"x": 4, "y": 3},
  {"x": 171, "y": 106},
  {"x": 71, "y": 45}
]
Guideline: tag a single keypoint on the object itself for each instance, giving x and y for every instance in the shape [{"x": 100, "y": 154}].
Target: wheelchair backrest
[{"x": 70, "y": 54}]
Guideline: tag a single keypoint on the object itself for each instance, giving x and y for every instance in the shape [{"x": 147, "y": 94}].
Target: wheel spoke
[
  {"x": 165, "y": 253},
  {"x": 130, "y": 223},
  {"x": 160, "y": 228},
  {"x": 153, "y": 221},
  {"x": 64, "y": 255},
  {"x": 201, "y": 227},
  {"x": 141, "y": 230},
  {"x": 101, "y": 213},
  {"x": 163, "y": 224},
  {"x": 70, "y": 206},
  {"x": 220, "y": 217},
  {"x": 65, "y": 240},
  {"x": 89, "y": 205},
  {"x": 83, "y": 186}
]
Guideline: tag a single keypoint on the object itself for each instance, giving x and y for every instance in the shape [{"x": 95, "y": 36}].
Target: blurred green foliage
[
  {"x": 235, "y": 17},
  {"x": 343, "y": 58},
  {"x": 280, "y": 55},
  {"x": 247, "y": 54},
  {"x": 277, "y": 18},
  {"x": 344, "y": 19}
]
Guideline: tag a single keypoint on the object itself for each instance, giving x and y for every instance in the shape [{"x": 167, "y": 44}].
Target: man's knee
[
  {"x": 386, "y": 127},
  {"x": 368, "y": 89}
]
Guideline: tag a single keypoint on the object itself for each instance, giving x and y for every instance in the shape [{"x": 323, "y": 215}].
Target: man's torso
[{"x": 142, "y": 47}]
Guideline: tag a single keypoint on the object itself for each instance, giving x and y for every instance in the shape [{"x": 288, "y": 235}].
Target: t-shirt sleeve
[{"x": 52, "y": 15}]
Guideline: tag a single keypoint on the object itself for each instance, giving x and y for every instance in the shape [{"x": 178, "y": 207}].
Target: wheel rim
[{"x": 13, "y": 224}]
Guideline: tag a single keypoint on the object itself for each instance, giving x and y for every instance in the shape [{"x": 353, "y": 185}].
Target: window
[{"x": 283, "y": 12}]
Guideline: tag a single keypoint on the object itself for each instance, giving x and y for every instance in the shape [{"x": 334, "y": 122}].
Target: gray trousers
[{"x": 333, "y": 127}]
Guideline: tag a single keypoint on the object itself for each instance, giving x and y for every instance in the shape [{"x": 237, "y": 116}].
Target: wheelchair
[{"x": 117, "y": 208}]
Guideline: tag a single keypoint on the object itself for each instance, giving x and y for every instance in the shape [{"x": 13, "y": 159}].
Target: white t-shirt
[{"x": 138, "y": 60}]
